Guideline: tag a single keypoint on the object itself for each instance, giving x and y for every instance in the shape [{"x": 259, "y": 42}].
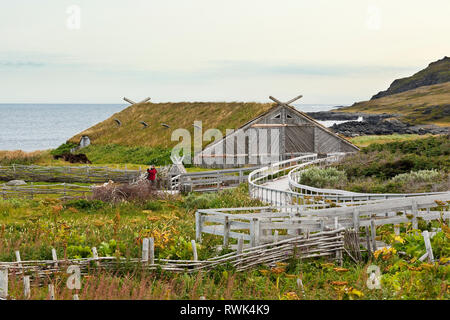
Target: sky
[{"x": 98, "y": 51}]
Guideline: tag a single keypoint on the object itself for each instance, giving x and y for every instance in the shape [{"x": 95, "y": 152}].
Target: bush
[
  {"x": 321, "y": 178},
  {"x": 417, "y": 177}
]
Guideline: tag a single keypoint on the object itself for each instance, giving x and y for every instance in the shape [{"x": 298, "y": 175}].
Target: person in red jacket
[{"x": 151, "y": 175}]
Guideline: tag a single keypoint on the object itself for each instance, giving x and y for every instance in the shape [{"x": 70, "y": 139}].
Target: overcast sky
[{"x": 332, "y": 52}]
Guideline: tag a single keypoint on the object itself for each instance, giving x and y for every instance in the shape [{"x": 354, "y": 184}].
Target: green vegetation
[
  {"x": 321, "y": 178},
  {"x": 114, "y": 153},
  {"x": 74, "y": 227},
  {"x": 64, "y": 148}
]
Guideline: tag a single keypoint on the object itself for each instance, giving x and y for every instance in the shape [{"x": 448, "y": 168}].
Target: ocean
[{"x": 31, "y": 127}]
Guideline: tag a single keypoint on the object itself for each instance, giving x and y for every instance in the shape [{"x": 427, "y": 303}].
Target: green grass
[
  {"x": 364, "y": 141},
  {"x": 118, "y": 154}
]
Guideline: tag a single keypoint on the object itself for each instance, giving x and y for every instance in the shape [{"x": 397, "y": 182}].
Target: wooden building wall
[{"x": 289, "y": 134}]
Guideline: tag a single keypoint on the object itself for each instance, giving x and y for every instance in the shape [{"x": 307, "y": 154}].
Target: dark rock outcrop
[{"x": 373, "y": 126}]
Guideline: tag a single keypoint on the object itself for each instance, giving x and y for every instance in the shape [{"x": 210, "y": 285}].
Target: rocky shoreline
[{"x": 374, "y": 124}]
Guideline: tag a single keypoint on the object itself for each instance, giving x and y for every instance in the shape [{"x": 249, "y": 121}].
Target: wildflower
[
  {"x": 278, "y": 270},
  {"x": 337, "y": 269},
  {"x": 290, "y": 296},
  {"x": 399, "y": 239}
]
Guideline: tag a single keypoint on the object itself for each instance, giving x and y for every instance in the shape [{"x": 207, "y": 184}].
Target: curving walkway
[{"x": 278, "y": 184}]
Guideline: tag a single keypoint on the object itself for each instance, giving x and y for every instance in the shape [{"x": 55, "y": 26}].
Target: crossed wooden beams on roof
[
  {"x": 144, "y": 124},
  {"x": 286, "y": 104},
  {"x": 132, "y": 102}
]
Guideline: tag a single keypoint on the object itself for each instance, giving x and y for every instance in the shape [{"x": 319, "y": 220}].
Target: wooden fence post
[
  {"x": 373, "y": 229},
  {"x": 198, "y": 226},
  {"x": 426, "y": 238},
  {"x": 240, "y": 245},
  {"x": 95, "y": 255},
  {"x": 226, "y": 231},
  {"x": 26, "y": 287},
  {"x": 253, "y": 232},
  {"x": 145, "y": 243},
  {"x": 55, "y": 257},
  {"x": 18, "y": 259},
  {"x": 356, "y": 219},
  {"x": 194, "y": 250},
  {"x": 51, "y": 291},
  {"x": 4, "y": 283},
  {"x": 152, "y": 250},
  {"x": 275, "y": 236},
  {"x": 397, "y": 229},
  {"x": 368, "y": 239},
  {"x": 414, "y": 212}
]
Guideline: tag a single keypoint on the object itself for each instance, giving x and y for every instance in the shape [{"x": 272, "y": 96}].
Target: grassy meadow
[{"x": 74, "y": 227}]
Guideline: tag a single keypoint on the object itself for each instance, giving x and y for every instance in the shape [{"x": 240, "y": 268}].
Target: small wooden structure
[{"x": 280, "y": 133}]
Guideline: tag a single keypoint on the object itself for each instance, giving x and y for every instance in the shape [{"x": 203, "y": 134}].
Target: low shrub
[
  {"x": 417, "y": 176},
  {"x": 321, "y": 178}
]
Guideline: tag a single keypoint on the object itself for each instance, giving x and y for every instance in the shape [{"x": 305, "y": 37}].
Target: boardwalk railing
[
  {"x": 297, "y": 193},
  {"x": 84, "y": 174},
  {"x": 206, "y": 181},
  {"x": 340, "y": 195},
  {"x": 260, "y": 225}
]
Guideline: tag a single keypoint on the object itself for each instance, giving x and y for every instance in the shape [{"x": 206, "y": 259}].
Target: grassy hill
[
  {"x": 130, "y": 143},
  {"x": 423, "y": 105},
  {"x": 436, "y": 72}
]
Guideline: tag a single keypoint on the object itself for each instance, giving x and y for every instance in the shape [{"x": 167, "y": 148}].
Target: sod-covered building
[{"x": 278, "y": 134}]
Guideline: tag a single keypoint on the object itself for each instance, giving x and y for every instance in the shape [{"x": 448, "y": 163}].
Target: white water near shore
[{"x": 32, "y": 127}]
